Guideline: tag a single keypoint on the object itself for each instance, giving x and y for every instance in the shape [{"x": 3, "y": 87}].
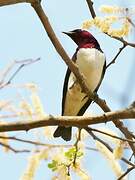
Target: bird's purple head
[{"x": 82, "y": 38}]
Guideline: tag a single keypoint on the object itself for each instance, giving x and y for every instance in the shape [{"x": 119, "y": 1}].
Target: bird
[{"x": 91, "y": 62}]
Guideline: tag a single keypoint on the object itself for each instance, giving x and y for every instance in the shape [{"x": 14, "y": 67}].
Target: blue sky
[{"x": 23, "y": 37}]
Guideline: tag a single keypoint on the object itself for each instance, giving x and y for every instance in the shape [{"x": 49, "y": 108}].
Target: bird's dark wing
[
  {"x": 66, "y": 84},
  {"x": 64, "y": 132},
  {"x": 65, "y": 89},
  {"x": 86, "y": 105}
]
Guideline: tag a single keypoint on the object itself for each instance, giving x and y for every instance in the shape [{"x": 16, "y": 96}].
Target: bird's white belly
[{"x": 90, "y": 63}]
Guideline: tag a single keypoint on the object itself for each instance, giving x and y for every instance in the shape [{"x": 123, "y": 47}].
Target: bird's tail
[{"x": 64, "y": 132}]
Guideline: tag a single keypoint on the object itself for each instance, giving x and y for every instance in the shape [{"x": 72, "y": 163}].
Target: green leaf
[
  {"x": 70, "y": 153},
  {"x": 79, "y": 154},
  {"x": 53, "y": 165}
]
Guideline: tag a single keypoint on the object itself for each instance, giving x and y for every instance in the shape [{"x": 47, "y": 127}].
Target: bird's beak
[{"x": 68, "y": 33}]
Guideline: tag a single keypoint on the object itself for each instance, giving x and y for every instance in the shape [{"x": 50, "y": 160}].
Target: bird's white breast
[{"x": 90, "y": 63}]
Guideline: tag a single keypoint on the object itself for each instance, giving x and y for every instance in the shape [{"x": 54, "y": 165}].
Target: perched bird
[{"x": 91, "y": 62}]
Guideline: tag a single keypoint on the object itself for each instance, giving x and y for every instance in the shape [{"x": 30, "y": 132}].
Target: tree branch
[
  {"x": 11, "y": 2},
  {"x": 77, "y": 121}
]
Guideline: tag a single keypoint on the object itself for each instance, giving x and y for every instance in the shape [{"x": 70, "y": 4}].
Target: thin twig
[
  {"x": 131, "y": 22},
  {"x": 23, "y": 63},
  {"x": 113, "y": 136},
  {"x": 127, "y": 172},
  {"x": 44, "y": 144},
  {"x": 5, "y": 72},
  {"x": 97, "y": 138},
  {"x": 107, "y": 146},
  {"x": 14, "y": 150},
  {"x": 76, "y": 145},
  {"x": 35, "y": 142},
  {"x": 114, "y": 59},
  {"x": 90, "y": 5}
]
